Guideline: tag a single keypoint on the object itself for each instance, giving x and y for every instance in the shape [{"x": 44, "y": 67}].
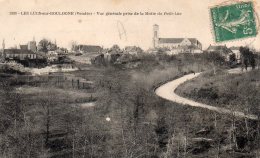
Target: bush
[
  {"x": 209, "y": 93},
  {"x": 12, "y": 69}
]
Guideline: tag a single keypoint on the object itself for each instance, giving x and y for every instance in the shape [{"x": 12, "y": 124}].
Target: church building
[{"x": 176, "y": 45}]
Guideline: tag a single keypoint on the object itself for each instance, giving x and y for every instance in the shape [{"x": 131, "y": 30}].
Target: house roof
[
  {"x": 89, "y": 48},
  {"x": 177, "y": 40},
  {"x": 234, "y": 48},
  {"x": 18, "y": 51},
  {"x": 32, "y": 42},
  {"x": 24, "y": 47},
  {"x": 223, "y": 49},
  {"x": 132, "y": 48},
  {"x": 217, "y": 47}
]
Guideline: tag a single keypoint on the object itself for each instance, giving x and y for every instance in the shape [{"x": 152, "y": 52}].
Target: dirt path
[
  {"x": 239, "y": 70},
  {"x": 167, "y": 91}
]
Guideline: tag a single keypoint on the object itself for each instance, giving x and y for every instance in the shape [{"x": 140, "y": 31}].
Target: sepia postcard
[{"x": 129, "y": 79}]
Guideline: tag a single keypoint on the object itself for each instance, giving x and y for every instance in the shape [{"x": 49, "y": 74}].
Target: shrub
[{"x": 209, "y": 93}]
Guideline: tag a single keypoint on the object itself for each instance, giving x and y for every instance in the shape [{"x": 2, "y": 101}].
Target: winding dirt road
[{"x": 167, "y": 91}]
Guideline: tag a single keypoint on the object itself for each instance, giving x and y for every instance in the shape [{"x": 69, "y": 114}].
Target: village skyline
[
  {"x": 107, "y": 30},
  {"x": 17, "y": 42}
]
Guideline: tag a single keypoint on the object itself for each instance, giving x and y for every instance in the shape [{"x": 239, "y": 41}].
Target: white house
[
  {"x": 236, "y": 51},
  {"x": 52, "y": 55},
  {"x": 19, "y": 54}
]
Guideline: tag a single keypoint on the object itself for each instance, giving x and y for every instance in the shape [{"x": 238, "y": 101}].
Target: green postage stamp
[{"x": 234, "y": 21}]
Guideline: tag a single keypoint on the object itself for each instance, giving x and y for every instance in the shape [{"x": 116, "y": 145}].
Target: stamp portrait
[{"x": 234, "y": 21}]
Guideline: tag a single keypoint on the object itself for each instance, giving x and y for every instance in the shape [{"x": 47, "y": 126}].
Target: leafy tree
[
  {"x": 215, "y": 59},
  {"x": 43, "y": 45},
  {"x": 252, "y": 60},
  {"x": 247, "y": 57},
  {"x": 46, "y": 45},
  {"x": 232, "y": 58},
  {"x": 115, "y": 49}
]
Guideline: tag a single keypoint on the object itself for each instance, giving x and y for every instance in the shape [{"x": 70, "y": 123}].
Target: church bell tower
[{"x": 155, "y": 35}]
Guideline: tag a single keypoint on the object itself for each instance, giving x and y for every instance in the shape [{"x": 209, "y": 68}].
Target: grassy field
[
  {"x": 38, "y": 114},
  {"x": 43, "y": 119},
  {"x": 233, "y": 91}
]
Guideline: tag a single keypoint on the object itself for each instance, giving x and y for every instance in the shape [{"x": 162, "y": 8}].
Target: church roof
[
  {"x": 170, "y": 40},
  {"x": 177, "y": 40}
]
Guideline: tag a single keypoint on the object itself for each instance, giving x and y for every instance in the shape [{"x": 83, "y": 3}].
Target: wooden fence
[{"x": 60, "y": 80}]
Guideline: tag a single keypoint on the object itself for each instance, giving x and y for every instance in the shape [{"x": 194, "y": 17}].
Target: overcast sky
[{"x": 104, "y": 30}]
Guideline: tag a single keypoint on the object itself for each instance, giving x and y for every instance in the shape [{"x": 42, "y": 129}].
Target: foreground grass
[
  {"x": 233, "y": 91},
  {"x": 141, "y": 124}
]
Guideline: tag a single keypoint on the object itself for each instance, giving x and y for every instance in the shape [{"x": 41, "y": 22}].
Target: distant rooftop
[
  {"x": 18, "y": 51},
  {"x": 222, "y": 48},
  {"x": 234, "y": 48},
  {"x": 24, "y": 47},
  {"x": 89, "y": 48}
]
